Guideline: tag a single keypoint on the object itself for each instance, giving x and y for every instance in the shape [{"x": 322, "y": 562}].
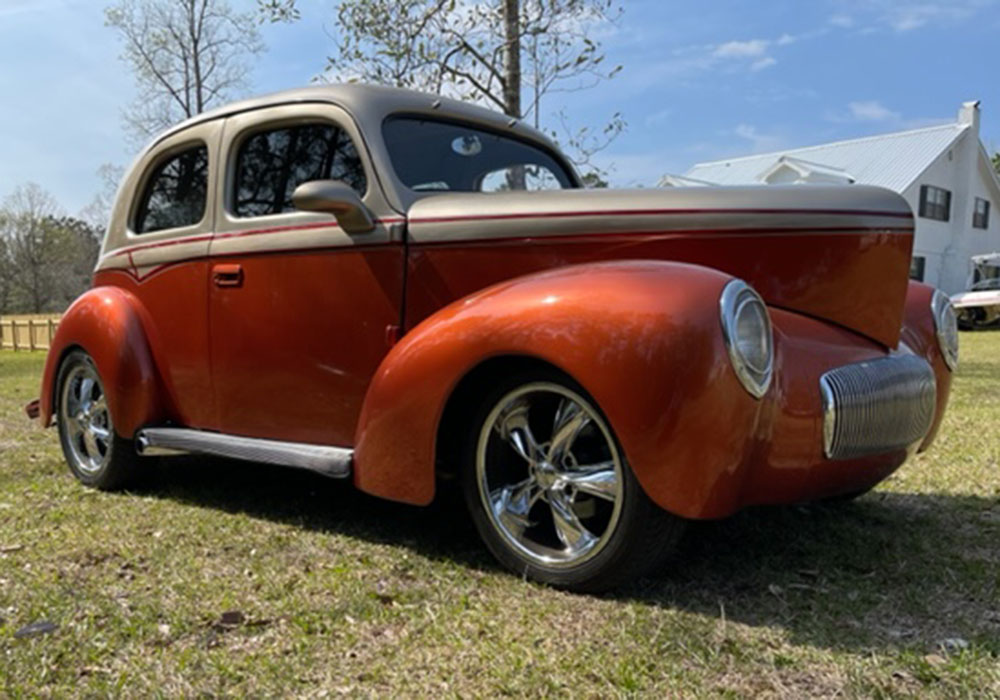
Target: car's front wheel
[
  {"x": 95, "y": 453},
  {"x": 551, "y": 493}
]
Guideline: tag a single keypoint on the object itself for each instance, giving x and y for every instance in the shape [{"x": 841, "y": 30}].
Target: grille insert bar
[{"x": 877, "y": 406}]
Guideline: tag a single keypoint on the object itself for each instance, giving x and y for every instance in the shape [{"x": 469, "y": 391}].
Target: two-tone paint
[{"x": 285, "y": 327}]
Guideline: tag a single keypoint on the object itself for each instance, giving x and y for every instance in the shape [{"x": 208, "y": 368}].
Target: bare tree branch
[{"x": 186, "y": 55}]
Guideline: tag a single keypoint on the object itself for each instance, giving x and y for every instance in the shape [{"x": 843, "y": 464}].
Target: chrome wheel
[
  {"x": 549, "y": 475},
  {"x": 85, "y": 420}
]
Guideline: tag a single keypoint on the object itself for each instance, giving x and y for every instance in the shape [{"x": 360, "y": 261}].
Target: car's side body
[{"x": 288, "y": 328}]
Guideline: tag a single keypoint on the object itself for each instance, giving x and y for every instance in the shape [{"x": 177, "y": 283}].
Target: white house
[{"x": 943, "y": 172}]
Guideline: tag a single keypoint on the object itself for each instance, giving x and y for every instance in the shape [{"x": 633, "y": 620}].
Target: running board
[{"x": 334, "y": 462}]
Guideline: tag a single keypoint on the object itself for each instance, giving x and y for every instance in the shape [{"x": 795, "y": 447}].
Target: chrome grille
[{"x": 877, "y": 406}]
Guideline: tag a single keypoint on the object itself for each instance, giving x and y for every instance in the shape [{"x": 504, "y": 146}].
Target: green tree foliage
[{"x": 46, "y": 258}]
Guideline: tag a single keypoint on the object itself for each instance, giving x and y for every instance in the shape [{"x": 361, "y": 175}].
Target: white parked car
[{"x": 980, "y": 306}]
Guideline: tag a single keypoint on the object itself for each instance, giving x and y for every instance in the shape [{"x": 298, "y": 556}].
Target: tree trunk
[
  {"x": 516, "y": 179},
  {"x": 512, "y": 58}
]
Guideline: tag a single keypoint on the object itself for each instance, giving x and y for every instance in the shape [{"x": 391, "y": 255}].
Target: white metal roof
[{"x": 889, "y": 160}]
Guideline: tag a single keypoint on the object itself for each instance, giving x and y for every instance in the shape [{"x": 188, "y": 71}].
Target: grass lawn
[{"x": 226, "y": 578}]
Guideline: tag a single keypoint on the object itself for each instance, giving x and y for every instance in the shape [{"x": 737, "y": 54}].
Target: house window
[
  {"x": 981, "y": 213},
  {"x": 935, "y": 203},
  {"x": 917, "y": 268}
]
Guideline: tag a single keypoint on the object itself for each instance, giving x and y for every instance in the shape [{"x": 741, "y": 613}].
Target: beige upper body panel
[
  {"x": 454, "y": 217},
  {"x": 294, "y": 230},
  {"x": 359, "y": 109},
  {"x": 125, "y": 249}
]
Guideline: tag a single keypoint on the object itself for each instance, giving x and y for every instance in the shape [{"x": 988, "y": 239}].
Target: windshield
[
  {"x": 436, "y": 156},
  {"x": 985, "y": 276}
]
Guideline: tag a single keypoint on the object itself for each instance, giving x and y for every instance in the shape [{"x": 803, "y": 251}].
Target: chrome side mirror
[{"x": 334, "y": 197}]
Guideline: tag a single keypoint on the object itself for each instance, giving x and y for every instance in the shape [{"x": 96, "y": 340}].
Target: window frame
[
  {"x": 274, "y": 124},
  {"x": 984, "y": 222},
  {"x": 142, "y": 190},
  {"x": 455, "y": 120},
  {"x": 931, "y": 210}
]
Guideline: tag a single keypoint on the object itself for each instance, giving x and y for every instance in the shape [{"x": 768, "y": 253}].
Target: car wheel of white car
[
  {"x": 96, "y": 455},
  {"x": 551, "y": 493}
]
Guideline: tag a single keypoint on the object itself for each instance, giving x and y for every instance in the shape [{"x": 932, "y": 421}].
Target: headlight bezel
[
  {"x": 945, "y": 328},
  {"x": 738, "y": 298}
]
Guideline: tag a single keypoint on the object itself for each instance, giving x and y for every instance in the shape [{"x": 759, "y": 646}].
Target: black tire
[
  {"x": 633, "y": 543},
  {"x": 115, "y": 465}
]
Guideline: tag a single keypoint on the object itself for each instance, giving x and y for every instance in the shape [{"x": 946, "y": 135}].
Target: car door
[
  {"x": 159, "y": 255},
  {"x": 300, "y": 312}
]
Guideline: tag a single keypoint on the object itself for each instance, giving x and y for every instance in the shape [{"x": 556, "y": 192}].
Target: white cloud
[
  {"x": 786, "y": 39},
  {"x": 741, "y": 49},
  {"x": 763, "y": 63},
  {"x": 760, "y": 142},
  {"x": 659, "y": 117},
  {"x": 906, "y": 15},
  {"x": 872, "y": 111}
]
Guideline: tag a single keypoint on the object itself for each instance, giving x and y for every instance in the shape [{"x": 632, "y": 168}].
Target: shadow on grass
[{"x": 889, "y": 570}]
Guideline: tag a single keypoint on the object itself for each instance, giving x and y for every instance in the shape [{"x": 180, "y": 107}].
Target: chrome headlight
[
  {"x": 946, "y": 328},
  {"x": 746, "y": 328}
]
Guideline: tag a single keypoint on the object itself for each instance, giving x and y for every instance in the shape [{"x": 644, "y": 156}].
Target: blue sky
[{"x": 702, "y": 80}]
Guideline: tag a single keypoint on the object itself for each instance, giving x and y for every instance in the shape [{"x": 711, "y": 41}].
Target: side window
[
  {"x": 175, "y": 192},
  {"x": 935, "y": 203},
  {"x": 271, "y": 164},
  {"x": 981, "y": 213},
  {"x": 917, "y": 264}
]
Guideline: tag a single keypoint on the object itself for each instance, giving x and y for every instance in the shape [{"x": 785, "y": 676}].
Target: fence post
[
  {"x": 52, "y": 333},
  {"x": 31, "y": 334},
  {"x": 13, "y": 332},
  {"x": 1, "y": 336}
]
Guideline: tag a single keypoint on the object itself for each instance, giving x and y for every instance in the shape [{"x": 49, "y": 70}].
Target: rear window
[{"x": 175, "y": 192}]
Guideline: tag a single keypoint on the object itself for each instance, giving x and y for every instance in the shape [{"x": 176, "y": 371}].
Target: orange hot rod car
[{"x": 399, "y": 289}]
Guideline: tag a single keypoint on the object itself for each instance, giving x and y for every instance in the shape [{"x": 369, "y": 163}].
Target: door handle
[{"x": 227, "y": 275}]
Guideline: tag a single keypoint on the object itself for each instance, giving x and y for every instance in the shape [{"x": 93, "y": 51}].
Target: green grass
[{"x": 343, "y": 594}]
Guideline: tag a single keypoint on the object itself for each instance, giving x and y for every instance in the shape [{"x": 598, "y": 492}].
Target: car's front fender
[
  {"x": 643, "y": 338},
  {"x": 106, "y": 322},
  {"x": 920, "y": 335}
]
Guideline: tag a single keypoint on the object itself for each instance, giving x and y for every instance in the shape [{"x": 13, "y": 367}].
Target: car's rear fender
[
  {"x": 643, "y": 338},
  {"x": 107, "y": 323}
]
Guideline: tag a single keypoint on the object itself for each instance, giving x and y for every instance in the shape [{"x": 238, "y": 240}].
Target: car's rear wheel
[
  {"x": 95, "y": 453},
  {"x": 551, "y": 493}
]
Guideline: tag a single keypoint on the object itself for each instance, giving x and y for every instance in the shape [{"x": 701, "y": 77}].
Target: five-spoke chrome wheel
[
  {"x": 549, "y": 474},
  {"x": 85, "y": 420}
]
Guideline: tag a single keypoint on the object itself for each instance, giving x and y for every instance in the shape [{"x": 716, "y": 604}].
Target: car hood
[
  {"x": 840, "y": 253},
  {"x": 987, "y": 297}
]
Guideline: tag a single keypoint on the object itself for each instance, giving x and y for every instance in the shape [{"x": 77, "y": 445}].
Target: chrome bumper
[{"x": 877, "y": 406}]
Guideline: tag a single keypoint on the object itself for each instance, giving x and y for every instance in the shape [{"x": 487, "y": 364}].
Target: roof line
[
  {"x": 959, "y": 135},
  {"x": 959, "y": 128},
  {"x": 989, "y": 166}
]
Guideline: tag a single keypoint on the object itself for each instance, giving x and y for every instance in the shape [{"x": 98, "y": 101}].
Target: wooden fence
[{"x": 27, "y": 332}]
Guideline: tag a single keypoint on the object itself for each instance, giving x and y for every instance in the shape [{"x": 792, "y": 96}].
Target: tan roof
[{"x": 370, "y": 104}]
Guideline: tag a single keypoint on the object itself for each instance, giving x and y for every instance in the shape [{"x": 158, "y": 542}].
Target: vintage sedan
[{"x": 405, "y": 290}]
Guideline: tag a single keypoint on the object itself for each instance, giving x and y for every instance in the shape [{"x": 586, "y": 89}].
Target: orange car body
[{"x": 289, "y": 329}]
